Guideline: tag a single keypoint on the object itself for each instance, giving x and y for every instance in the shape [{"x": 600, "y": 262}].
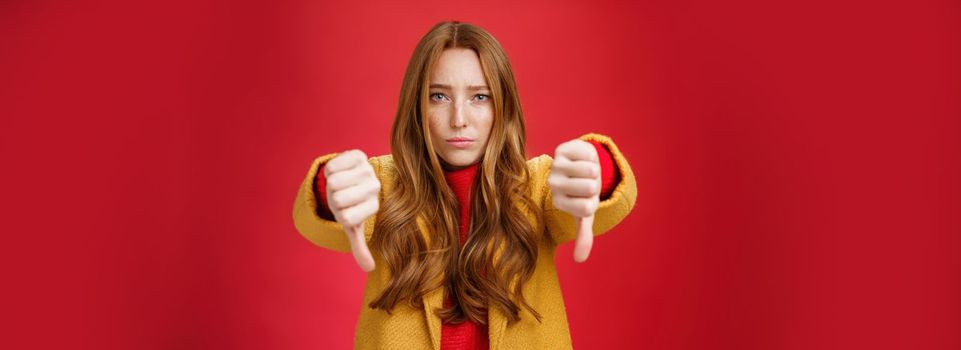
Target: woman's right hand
[{"x": 352, "y": 196}]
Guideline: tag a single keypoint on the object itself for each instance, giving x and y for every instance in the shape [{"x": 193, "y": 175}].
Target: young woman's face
[{"x": 460, "y": 111}]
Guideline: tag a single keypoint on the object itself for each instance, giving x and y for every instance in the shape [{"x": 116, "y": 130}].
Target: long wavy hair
[{"x": 500, "y": 197}]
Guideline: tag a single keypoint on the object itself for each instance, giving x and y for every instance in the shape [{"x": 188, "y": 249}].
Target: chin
[{"x": 459, "y": 161}]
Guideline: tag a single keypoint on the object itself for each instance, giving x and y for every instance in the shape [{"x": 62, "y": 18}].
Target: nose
[{"x": 459, "y": 117}]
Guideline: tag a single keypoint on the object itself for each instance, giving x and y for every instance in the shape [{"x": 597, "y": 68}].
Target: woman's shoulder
[
  {"x": 539, "y": 167},
  {"x": 386, "y": 159},
  {"x": 383, "y": 165},
  {"x": 539, "y": 164}
]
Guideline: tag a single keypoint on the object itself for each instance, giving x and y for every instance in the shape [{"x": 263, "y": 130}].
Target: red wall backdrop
[{"x": 797, "y": 166}]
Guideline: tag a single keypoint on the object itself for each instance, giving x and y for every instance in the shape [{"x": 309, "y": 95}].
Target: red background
[{"x": 797, "y": 166}]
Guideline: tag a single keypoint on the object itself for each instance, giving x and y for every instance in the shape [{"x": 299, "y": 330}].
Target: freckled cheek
[
  {"x": 434, "y": 124},
  {"x": 436, "y": 130},
  {"x": 484, "y": 121}
]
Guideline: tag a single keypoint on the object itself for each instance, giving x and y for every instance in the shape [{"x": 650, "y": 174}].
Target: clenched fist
[
  {"x": 575, "y": 183},
  {"x": 352, "y": 195}
]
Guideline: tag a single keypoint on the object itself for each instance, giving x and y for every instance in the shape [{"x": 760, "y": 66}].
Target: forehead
[{"x": 457, "y": 67}]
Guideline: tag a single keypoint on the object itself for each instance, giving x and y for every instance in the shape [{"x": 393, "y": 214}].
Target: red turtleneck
[
  {"x": 470, "y": 335},
  {"x": 466, "y": 335}
]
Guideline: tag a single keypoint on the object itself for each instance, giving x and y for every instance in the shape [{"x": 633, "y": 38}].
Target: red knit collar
[{"x": 461, "y": 178}]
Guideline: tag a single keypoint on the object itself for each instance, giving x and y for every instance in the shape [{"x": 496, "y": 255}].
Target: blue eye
[
  {"x": 438, "y": 97},
  {"x": 482, "y": 97}
]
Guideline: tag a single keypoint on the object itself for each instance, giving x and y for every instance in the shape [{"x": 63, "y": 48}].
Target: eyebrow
[{"x": 447, "y": 87}]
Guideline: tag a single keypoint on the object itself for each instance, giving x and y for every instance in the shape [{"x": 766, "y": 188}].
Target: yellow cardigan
[{"x": 410, "y": 328}]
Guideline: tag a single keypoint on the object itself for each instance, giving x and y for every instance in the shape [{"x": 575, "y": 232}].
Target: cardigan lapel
[
  {"x": 496, "y": 323},
  {"x": 496, "y": 320},
  {"x": 433, "y": 299}
]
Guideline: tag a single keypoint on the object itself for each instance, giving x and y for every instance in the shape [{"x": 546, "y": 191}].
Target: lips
[{"x": 460, "y": 142}]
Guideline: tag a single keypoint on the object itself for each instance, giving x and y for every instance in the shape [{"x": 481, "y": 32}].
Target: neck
[
  {"x": 454, "y": 168},
  {"x": 461, "y": 176}
]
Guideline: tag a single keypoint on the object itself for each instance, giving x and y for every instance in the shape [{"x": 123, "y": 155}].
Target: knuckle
[
  {"x": 354, "y": 219},
  {"x": 340, "y": 199},
  {"x": 353, "y": 168},
  {"x": 334, "y": 182},
  {"x": 558, "y": 203},
  {"x": 593, "y": 188},
  {"x": 584, "y": 171},
  {"x": 572, "y": 207},
  {"x": 334, "y": 200},
  {"x": 350, "y": 218},
  {"x": 347, "y": 156},
  {"x": 369, "y": 211},
  {"x": 575, "y": 190},
  {"x": 358, "y": 156},
  {"x": 554, "y": 182},
  {"x": 583, "y": 189},
  {"x": 340, "y": 158},
  {"x": 586, "y": 208}
]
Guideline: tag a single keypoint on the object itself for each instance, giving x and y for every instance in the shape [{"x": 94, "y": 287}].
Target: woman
[{"x": 461, "y": 227}]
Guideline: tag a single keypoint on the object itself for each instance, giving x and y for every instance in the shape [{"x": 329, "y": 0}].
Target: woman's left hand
[{"x": 575, "y": 183}]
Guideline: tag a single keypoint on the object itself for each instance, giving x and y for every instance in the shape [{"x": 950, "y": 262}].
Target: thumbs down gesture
[{"x": 575, "y": 183}]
